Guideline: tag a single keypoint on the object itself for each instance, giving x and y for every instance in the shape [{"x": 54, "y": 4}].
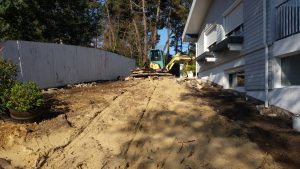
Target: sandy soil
[{"x": 149, "y": 124}]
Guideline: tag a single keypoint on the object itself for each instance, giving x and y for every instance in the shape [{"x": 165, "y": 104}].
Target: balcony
[
  {"x": 231, "y": 43},
  {"x": 206, "y": 57},
  {"x": 288, "y": 19}
]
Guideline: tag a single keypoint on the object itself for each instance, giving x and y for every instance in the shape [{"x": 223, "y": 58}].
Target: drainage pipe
[
  {"x": 266, "y": 53},
  {"x": 196, "y": 59}
]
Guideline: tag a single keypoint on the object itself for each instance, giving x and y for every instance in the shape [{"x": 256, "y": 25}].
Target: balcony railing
[{"x": 288, "y": 18}]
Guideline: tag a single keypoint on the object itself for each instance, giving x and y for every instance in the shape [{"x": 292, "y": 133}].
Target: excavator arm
[{"x": 178, "y": 58}]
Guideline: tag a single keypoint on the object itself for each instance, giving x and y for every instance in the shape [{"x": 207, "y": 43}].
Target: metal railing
[{"x": 288, "y": 19}]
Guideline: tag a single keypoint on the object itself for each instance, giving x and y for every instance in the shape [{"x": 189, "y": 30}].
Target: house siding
[
  {"x": 252, "y": 56},
  {"x": 215, "y": 18},
  {"x": 253, "y": 25},
  {"x": 253, "y": 47},
  {"x": 271, "y": 16},
  {"x": 215, "y": 14}
]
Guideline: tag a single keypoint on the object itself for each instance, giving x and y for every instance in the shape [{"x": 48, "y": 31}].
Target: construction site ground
[{"x": 149, "y": 123}]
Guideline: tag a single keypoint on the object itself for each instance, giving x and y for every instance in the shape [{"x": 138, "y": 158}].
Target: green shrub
[
  {"x": 24, "y": 97},
  {"x": 190, "y": 67},
  {"x": 8, "y": 74}
]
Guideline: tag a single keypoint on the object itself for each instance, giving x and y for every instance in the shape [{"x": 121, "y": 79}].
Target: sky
[{"x": 163, "y": 38}]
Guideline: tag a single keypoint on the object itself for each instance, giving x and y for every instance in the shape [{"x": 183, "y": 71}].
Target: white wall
[
  {"x": 287, "y": 46},
  {"x": 287, "y": 98},
  {"x": 52, "y": 65},
  {"x": 219, "y": 74}
]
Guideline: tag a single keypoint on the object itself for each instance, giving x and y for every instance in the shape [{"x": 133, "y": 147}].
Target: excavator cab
[{"x": 157, "y": 59}]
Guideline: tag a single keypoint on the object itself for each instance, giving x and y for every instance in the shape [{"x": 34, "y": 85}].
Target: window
[
  {"x": 290, "y": 75},
  {"x": 233, "y": 17},
  {"x": 237, "y": 79},
  {"x": 211, "y": 36},
  {"x": 239, "y": 31},
  {"x": 155, "y": 55}
]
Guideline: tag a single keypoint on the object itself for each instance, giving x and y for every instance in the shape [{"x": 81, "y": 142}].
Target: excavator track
[{"x": 139, "y": 73}]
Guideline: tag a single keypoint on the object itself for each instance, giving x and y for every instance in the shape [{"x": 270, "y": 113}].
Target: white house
[{"x": 252, "y": 46}]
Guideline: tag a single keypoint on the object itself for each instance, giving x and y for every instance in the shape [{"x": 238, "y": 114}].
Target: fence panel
[{"x": 53, "y": 65}]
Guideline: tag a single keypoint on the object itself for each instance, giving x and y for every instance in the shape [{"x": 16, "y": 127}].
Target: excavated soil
[{"x": 149, "y": 124}]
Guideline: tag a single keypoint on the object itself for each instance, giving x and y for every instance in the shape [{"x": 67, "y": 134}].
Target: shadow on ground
[
  {"x": 53, "y": 107},
  {"x": 225, "y": 131},
  {"x": 274, "y": 135}
]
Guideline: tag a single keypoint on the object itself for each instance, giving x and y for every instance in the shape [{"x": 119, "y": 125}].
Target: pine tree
[{"x": 74, "y": 22}]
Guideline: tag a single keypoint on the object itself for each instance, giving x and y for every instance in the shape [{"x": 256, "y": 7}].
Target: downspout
[
  {"x": 196, "y": 59},
  {"x": 266, "y": 53}
]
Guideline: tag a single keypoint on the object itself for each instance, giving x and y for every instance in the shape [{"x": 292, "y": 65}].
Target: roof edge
[
  {"x": 195, "y": 19},
  {"x": 189, "y": 19}
]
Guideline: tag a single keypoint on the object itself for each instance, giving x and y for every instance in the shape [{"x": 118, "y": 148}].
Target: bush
[
  {"x": 23, "y": 97},
  {"x": 8, "y": 74},
  {"x": 190, "y": 67}
]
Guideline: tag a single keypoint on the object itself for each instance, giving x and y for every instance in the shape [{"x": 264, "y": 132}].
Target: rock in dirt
[
  {"x": 5, "y": 164},
  {"x": 128, "y": 78},
  {"x": 200, "y": 82},
  {"x": 85, "y": 85},
  {"x": 50, "y": 91},
  {"x": 194, "y": 84},
  {"x": 273, "y": 111}
]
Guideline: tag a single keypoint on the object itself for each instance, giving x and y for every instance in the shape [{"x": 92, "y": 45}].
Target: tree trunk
[
  {"x": 167, "y": 44},
  {"x": 145, "y": 33},
  {"x": 176, "y": 41},
  {"x": 168, "y": 41},
  {"x": 138, "y": 39},
  {"x": 112, "y": 32},
  {"x": 181, "y": 45},
  {"x": 154, "y": 35},
  {"x": 137, "y": 33}
]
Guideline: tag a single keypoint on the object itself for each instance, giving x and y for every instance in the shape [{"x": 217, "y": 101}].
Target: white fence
[{"x": 53, "y": 65}]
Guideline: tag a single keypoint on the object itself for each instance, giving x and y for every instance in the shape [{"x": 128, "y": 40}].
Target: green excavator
[
  {"x": 158, "y": 61},
  {"x": 158, "y": 66}
]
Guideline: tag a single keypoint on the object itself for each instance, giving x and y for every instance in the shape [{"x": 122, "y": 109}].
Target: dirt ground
[{"x": 149, "y": 124}]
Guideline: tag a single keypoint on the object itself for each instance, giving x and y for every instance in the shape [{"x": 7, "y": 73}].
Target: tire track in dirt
[
  {"x": 145, "y": 110},
  {"x": 159, "y": 98},
  {"x": 43, "y": 159},
  {"x": 156, "y": 124},
  {"x": 138, "y": 124},
  {"x": 81, "y": 148}
]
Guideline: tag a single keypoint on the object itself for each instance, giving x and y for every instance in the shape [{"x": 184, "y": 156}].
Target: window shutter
[
  {"x": 234, "y": 18},
  {"x": 211, "y": 37}
]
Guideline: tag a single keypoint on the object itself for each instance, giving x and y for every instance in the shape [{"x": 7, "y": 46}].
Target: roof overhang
[{"x": 195, "y": 20}]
